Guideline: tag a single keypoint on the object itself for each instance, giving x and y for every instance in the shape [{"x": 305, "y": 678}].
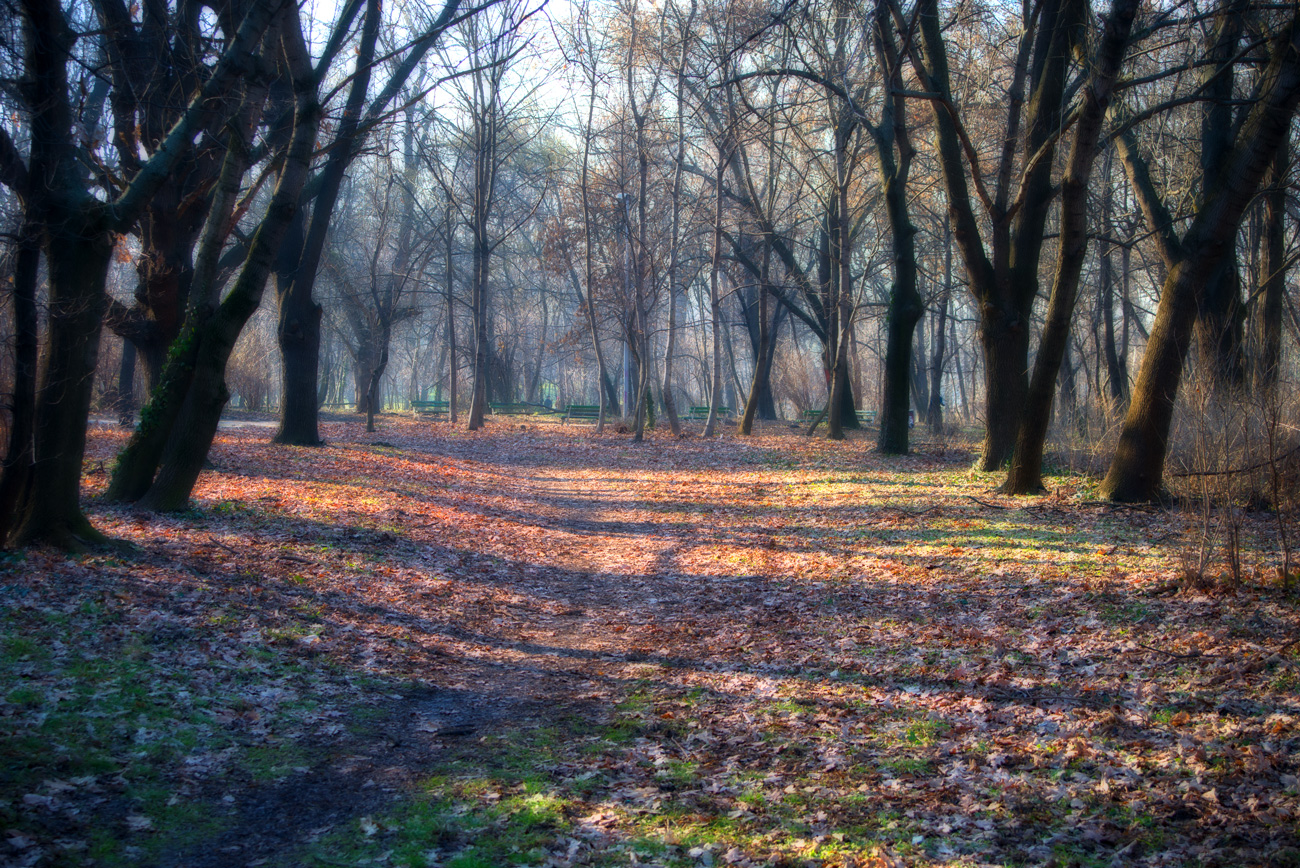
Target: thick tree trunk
[
  {"x": 77, "y": 262},
  {"x": 299, "y": 323},
  {"x": 905, "y": 303},
  {"x": 1004, "y": 281},
  {"x": 137, "y": 463},
  {"x": 298, "y": 320},
  {"x": 1006, "y": 347}
]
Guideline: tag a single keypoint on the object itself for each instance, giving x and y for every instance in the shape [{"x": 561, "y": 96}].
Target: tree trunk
[
  {"x": 905, "y": 303},
  {"x": 1220, "y": 319},
  {"x": 451, "y": 320},
  {"x": 715, "y": 301},
  {"x": 298, "y": 336},
  {"x": 1005, "y": 341},
  {"x": 138, "y": 461},
  {"x": 299, "y": 324},
  {"x": 17, "y": 470},
  {"x": 939, "y": 349},
  {"x": 761, "y": 351},
  {"x": 1267, "y": 332},
  {"x": 124, "y": 405},
  {"x": 77, "y": 259},
  {"x": 80, "y": 232},
  {"x": 479, "y": 304}
]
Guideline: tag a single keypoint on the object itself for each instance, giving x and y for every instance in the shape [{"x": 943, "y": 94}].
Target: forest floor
[{"x": 535, "y": 646}]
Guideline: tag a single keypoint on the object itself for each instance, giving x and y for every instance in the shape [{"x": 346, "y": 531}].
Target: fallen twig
[{"x": 989, "y": 505}]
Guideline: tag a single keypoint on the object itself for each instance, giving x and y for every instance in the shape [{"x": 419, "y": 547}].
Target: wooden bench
[
  {"x": 866, "y": 417},
  {"x": 700, "y": 414},
  {"x": 430, "y": 408},
  {"x": 581, "y": 413}
]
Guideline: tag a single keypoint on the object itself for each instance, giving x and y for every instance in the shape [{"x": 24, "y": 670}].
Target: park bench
[
  {"x": 430, "y": 408},
  {"x": 581, "y": 413},
  {"x": 807, "y": 417},
  {"x": 517, "y": 409},
  {"x": 700, "y": 414},
  {"x": 866, "y": 417}
]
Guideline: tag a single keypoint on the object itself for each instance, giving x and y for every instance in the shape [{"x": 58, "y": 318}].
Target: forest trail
[{"x": 535, "y": 646}]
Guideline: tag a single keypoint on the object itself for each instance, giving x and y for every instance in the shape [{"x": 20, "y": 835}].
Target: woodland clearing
[{"x": 533, "y": 645}]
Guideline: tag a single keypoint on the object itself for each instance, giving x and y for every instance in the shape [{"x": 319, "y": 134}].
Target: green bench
[
  {"x": 867, "y": 417},
  {"x": 700, "y": 414},
  {"x": 517, "y": 409},
  {"x": 581, "y": 413},
  {"x": 807, "y": 417},
  {"x": 430, "y": 408}
]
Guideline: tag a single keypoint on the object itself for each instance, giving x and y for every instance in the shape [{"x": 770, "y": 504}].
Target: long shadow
[{"x": 759, "y": 603}]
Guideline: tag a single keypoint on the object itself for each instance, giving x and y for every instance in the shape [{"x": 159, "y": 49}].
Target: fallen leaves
[{"x": 827, "y": 656}]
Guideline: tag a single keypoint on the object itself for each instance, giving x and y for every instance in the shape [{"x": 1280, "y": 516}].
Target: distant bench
[
  {"x": 700, "y": 414},
  {"x": 581, "y": 413},
  {"x": 430, "y": 408},
  {"x": 519, "y": 409},
  {"x": 807, "y": 417}
]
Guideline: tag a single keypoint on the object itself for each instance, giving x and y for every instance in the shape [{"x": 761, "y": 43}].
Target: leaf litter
[{"x": 532, "y": 645}]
